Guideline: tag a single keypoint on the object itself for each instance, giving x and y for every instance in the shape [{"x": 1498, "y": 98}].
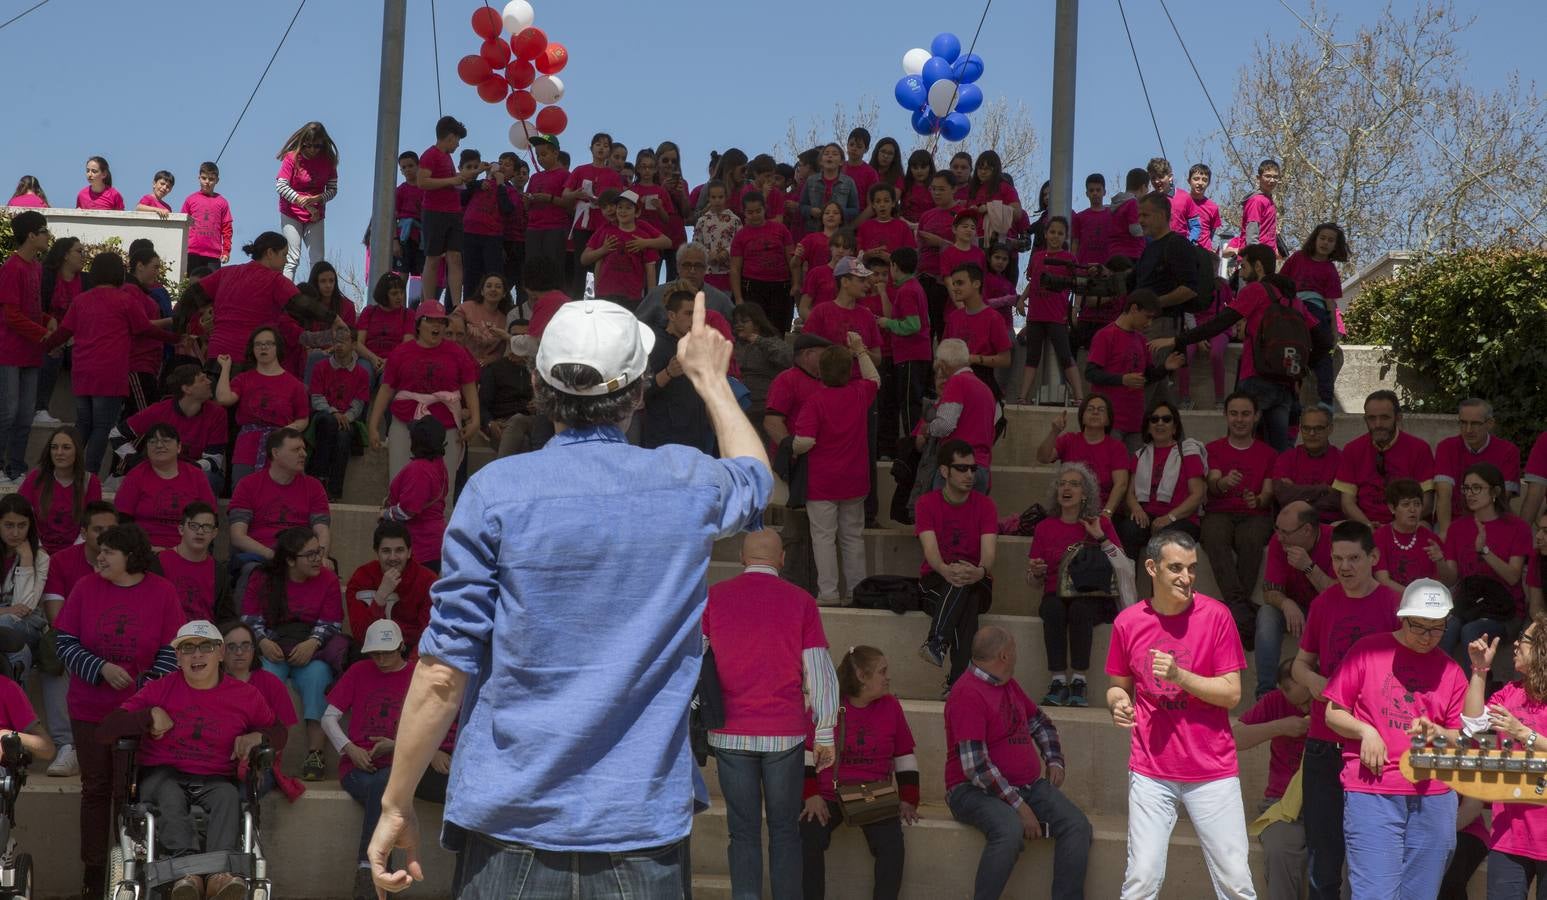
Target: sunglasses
[
  {"x": 964, "y": 468},
  {"x": 1162, "y": 420}
]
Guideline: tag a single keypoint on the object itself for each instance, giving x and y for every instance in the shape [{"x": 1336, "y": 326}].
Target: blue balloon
[
  {"x": 968, "y": 68},
  {"x": 955, "y": 127},
  {"x": 924, "y": 122},
  {"x": 946, "y": 46},
  {"x": 911, "y": 94},
  {"x": 936, "y": 69},
  {"x": 968, "y": 98}
]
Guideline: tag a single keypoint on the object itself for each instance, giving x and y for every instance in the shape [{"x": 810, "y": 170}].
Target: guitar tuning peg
[
  {"x": 1506, "y": 744},
  {"x": 1418, "y": 742},
  {"x": 1439, "y": 742},
  {"x": 1485, "y": 741}
]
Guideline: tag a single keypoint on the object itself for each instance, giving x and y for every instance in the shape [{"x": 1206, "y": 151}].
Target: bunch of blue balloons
[{"x": 939, "y": 87}]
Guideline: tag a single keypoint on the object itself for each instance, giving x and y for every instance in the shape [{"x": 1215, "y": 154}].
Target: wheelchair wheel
[
  {"x": 115, "y": 871},
  {"x": 23, "y": 889}
]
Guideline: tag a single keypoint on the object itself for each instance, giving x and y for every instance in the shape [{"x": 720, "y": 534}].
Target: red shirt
[
  {"x": 1121, "y": 352},
  {"x": 1521, "y": 828},
  {"x": 997, "y": 715},
  {"x": 1192, "y": 467},
  {"x": 621, "y": 273},
  {"x": 1333, "y": 626},
  {"x": 937, "y": 222},
  {"x": 339, "y": 386},
  {"x": 410, "y": 602},
  {"x": 546, "y": 216},
  {"x": 1104, "y": 457},
  {"x": 65, "y": 569},
  {"x": 126, "y": 626},
  {"x": 1283, "y": 752},
  {"x": 104, "y": 321},
  {"x": 16, "y": 713},
  {"x": 197, "y": 433},
  {"x": 952, "y": 256},
  {"x": 834, "y": 322},
  {"x": 156, "y": 503},
  {"x": 874, "y": 736},
  {"x": 270, "y": 507},
  {"x": 983, "y": 330},
  {"x": 428, "y": 370},
  {"x": 759, "y": 626},
  {"x": 543, "y": 309},
  {"x": 145, "y": 351},
  {"x": 1091, "y": 230},
  {"x": 596, "y": 179},
  {"x": 384, "y": 329},
  {"x": 1311, "y": 276},
  {"x": 1360, "y": 471},
  {"x": 1452, "y": 457},
  {"x": 975, "y": 425},
  {"x": 419, "y": 491},
  {"x": 838, "y": 467},
  {"x": 958, "y": 528},
  {"x": 1536, "y": 463},
  {"x": 317, "y": 599},
  {"x": 891, "y": 235},
  {"x": 58, "y": 526},
  {"x": 1292, "y": 582},
  {"x": 1507, "y": 536},
  {"x": 1255, "y": 463},
  {"x": 195, "y": 583},
  {"x": 273, "y": 401},
  {"x": 247, "y": 297},
  {"x": 437, "y": 163},
  {"x": 908, "y": 299},
  {"x": 275, "y": 694},
  {"x": 864, "y": 179},
  {"x": 1053, "y": 537},
  {"x": 764, "y": 251},
  {"x": 1298, "y": 467},
  {"x": 1121, "y": 241},
  {"x": 1044, "y": 305},
  {"x": 819, "y": 285},
  {"x": 373, "y": 700},
  {"x": 1252, "y": 303},
  {"x": 205, "y": 723},
  {"x": 1409, "y": 561}
]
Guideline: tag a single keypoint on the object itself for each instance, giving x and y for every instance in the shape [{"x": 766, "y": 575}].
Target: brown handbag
[{"x": 863, "y": 802}]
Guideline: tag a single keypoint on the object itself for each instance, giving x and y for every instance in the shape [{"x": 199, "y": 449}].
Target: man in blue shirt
[{"x": 566, "y": 629}]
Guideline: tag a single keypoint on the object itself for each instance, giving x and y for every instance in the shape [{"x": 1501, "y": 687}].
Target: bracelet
[{"x": 1480, "y": 670}]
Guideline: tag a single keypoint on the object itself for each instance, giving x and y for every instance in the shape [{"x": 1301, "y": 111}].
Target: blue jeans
[
  {"x": 1270, "y": 644},
  {"x": 1001, "y": 825},
  {"x": 490, "y": 869},
  {"x": 18, "y": 396},
  {"x": 1274, "y": 402},
  {"x": 1509, "y": 874},
  {"x": 750, "y": 783},
  {"x": 1458, "y": 635},
  {"x": 1398, "y": 846},
  {"x": 94, "y": 419},
  {"x": 367, "y": 788},
  {"x": 311, "y": 682},
  {"x": 1322, "y": 812}
]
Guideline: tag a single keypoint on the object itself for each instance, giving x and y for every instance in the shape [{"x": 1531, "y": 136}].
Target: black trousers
[
  {"x": 911, "y": 381},
  {"x": 515, "y": 264},
  {"x": 886, "y": 847},
  {"x": 954, "y": 617},
  {"x": 1068, "y": 630},
  {"x": 173, "y": 793},
  {"x": 330, "y": 457},
  {"x": 575, "y": 271},
  {"x": 1469, "y": 854},
  {"x": 481, "y": 255},
  {"x": 939, "y": 299},
  {"x": 774, "y": 299}
]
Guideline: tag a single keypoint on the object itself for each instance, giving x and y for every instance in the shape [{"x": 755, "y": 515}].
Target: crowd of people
[{"x": 608, "y": 331}]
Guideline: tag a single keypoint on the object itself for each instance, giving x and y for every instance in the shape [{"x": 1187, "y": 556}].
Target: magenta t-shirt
[
  {"x": 1259, "y": 208},
  {"x": 276, "y": 694},
  {"x": 1091, "y": 230},
  {"x": 270, "y": 400},
  {"x": 1121, "y": 352},
  {"x": 953, "y": 256},
  {"x": 998, "y": 716},
  {"x": 874, "y": 736},
  {"x": 157, "y": 503},
  {"x": 21, "y": 286},
  {"x": 1335, "y": 623},
  {"x": 984, "y": 330},
  {"x": 1178, "y": 737},
  {"x": 601, "y": 179},
  {"x": 1192, "y": 467},
  {"x": 1297, "y": 466},
  {"x": 246, "y": 297},
  {"x": 813, "y": 248},
  {"x": 547, "y": 216},
  {"x": 1452, "y": 457},
  {"x": 764, "y": 251},
  {"x": 621, "y": 273},
  {"x": 1408, "y": 561},
  {"x": 1182, "y": 210},
  {"x": 1044, "y": 305},
  {"x": 1104, "y": 457},
  {"x": 145, "y": 352},
  {"x": 908, "y": 299},
  {"x": 196, "y": 433},
  {"x": 1387, "y": 685},
  {"x": 428, "y": 370},
  {"x": 1255, "y": 463},
  {"x": 975, "y": 425},
  {"x": 1291, "y": 581},
  {"x": 65, "y": 570},
  {"x": 937, "y": 222},
  {"x": 916, "y": 200},
  {"x": 834, "y": 322},
  {"x": 275, "y": 507},
  {"x": 384, "y": 329},
  {"x": 820, "y": 286},
  {"x": 438, "y": 164},
  {"x": 420, "y": 489},
  {"x": 29, "y": 201},
  {"x": 205, "y": 723},
  {"x": 481, "y": 216},
  {"x": 1407, "y": 457},
  {"x": 1121, "y": 240},
  {"x": 153, "y": 200},
  {"x": 341, "y": 387},
  {"x": 57, "y": 525},
  {"x": 1316, "y": 276},
  {"x": 373, "y": 700},
  {"x": 109, "y": 198},
  {"x": 838, "y": 467},
  {"x": 195, "y": 582},
  {"x": 126, "y": 626},
  {"x": 16, "y": 713},
  {"x": 1536, "y": 463},
  {"x": 1053, "y": 537},
  {"x": 210, "y": 224},
  {"x": 1508, "y": 536},
  {"x": 891, "y": 235},
  {"x": 1252, "y": 304},
  {"x": 864, "y": 179},
  {"x": 104, "y": 321},
  {"x": 1283, "y": 752},
  {"x": 759, "y": 626},
  {"x": 1521, "y": 828},
  {"x": 958, "y": 529},
  {"x": 307, "y": 175},
  {"x": 317, "y": 599}
]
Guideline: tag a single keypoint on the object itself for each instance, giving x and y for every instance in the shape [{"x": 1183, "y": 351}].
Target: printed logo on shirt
[
  {"x": 115, "y": 638},
  {"x": 1399, "y": 699},
  {"x": 1345, "y": 633},
  {"x": 1168, "y": 696},
  {"x": 1014, "y": 719},
  {"x": 861, "y": 749}
]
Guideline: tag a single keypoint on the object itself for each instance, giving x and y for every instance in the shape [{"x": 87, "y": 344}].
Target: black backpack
[
  {"x": 1282, "y": 347},
  {"x": 1205, "y": 280},
  {"x": 897, "y": 593},
  {"x": 1085, "y": 571}
]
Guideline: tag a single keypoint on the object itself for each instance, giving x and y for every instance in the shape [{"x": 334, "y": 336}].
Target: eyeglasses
[
  {"x": 1071, "y": 483},
  {"x": 1464, "y": 425},
  {"x": 1473, "y": 488},
  {"x": 1162, "y": 420},
  {"x": 200, "y": 527},
  {"x": 1315, "y": 429},
  {"x": 160, "y": 441},
  {"x": 1424, "y": 630},
  {"x": 964, "y": 468},
  {"x": 692, "y": 265},
  {"x": 195, "y": 649},
  {"x": 310, "y": 555},
  {"x": 239, "y": 647},
  {"x": 257, "y": 344}
]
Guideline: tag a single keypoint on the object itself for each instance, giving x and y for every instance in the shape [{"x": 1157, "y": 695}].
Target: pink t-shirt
[
  {"x": 210, "y": 226},
  {"x": 481, "y": 216},
  {"x": 874, "y": 736},
  {"x": 1091, "y": 230},
  {"x": 984, "y": 330},
  {"x": 195, "y": 583},
  {"x": 1319, "y": 277},
  {"x": 621, "y": 273},
  {"x": 1178, "y": 737},
  {"x": 1283, "y": 752},
  {"x": 384, "y": 329},
  {"x": 270, "y": 507},
  {"x": 1358, "y": 473},
  {"x": 58, "y": 526},
  {"x": 547, "y": 216},
  {"x": 268, "y": 400},
  {"x": 975, "y": 425},
  {"x": 246, "y": 297},
  {"x": 1207, "y": 219},
  {"x": 153, "y": 200},
  {"x": 1182, "y": 210},
  {"x": 656, "y": 209},
  {"x": 1452, "y": 457},
  {"x": 958, "y": 529},
  {"x": 543, "y": 308},
  {"x": 205, "y": 723},
  {"x": 145, "y": 351},
  {"x": 104, "y": 321},
  {"x": 65, "y": 570},
  {"x": 953, "y": 256},
  {"x": 419, "y": 489},
  {"x": 307, "y": 175},
  {"x": 1292, "y": 582},
  {"x": 908, "y": 299},
  {"x": 937, "y": 222},
  {"x": 109, "y": 198},
  {"x": 1121, "y": 240},
  {"x": 1044, "y": 305},
  {"x": 341, "y": 387},
  {"x": 16, "y": 713},
  {"x": 1252, "y": 303},
  {"x": 838, "y": 467},
  {"x": 1104, "y": 457},
  {"x": 317, "y": 599},
  {"x": 998, "y": 716},
  {"x": 157, "y": 503},
  {"x": 1255, "y": 463},
  {"x": 408, "y": 203},
  {"x": 1387, "y": 685},
  {"x": 1507, "y": 536},
  {"x": 864, "y": 179},
  {"x": 121, "y": 625},
  {"x": 1192, "y": 467},
  {"x": 891, "y": 235},
  {"x": 1521, "y": 828},
  {"x": 196, "y": 433},
  {"x": 764, "y": 251},
  {"x": 437, "y": 163},
  {"x": 428, "y": 370},
  {"x": 21, "y": 286},
  {"x": 1297, "y": 466},
  {"x": 788, "y": 392},
  {"x": 29, "y": 201},
  {"x": 759, "y": 626},
  {"x": 1536, "y": 463},
  {"x": 601, "y": 178},
  {"x": 1335, "y": 623},
  {"x": 916, "y": 200},
  {"x": 1121, "y": 352},
  {"x": 813, "y": 248},
  {"x": 373, "y": 700},
  {"x": 1408, "y": 561},
  {"x": 275, "y": 694},
  {"x": 819, "y": 285},
  {"x": 834, "y": 322},
  {"x": 1053, "y": 537},
  {"x": 1259, "y": 209}
]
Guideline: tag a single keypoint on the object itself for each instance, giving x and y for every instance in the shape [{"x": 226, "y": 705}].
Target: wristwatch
[
  {"x": 1309, "y": 568},
  {"x": 1483, "y": 552}
]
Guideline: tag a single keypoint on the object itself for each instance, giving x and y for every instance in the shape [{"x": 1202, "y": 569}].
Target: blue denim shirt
[{"x": 572, "y": 584}]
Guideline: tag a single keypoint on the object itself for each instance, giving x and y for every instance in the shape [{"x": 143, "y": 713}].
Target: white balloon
[
  {"x": 518, "y": 136},
  {"x": 942, "y": 97},
  {"x": 913, "y": 61},
  {"x": 518, "y": 16},
  {"x": 547, "y": 89}
]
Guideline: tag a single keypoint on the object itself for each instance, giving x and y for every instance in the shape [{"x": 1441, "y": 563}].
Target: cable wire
[
  {"x": 1229, "y": 141},
  {"x": 934, "y": 139},
  {"x": 1145, "y": 87},
  {"x": 38, "y": 5},
  {"x": 255, "y": 87},
  {"x": 435, "y": 42}
]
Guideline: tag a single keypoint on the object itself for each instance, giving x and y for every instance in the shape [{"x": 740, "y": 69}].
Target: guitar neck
[{"x": 1492, "y": 776}]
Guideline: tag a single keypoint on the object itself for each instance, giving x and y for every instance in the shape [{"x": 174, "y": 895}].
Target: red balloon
[
  {"x": 473, "y": 69},
  {"x": 487, "y": 23},
  {"x": 552, "y": 120},
  {"x": 493, "y": 89},
  {"x": 495, "y": 53},
  {"x": 529, "y": 43},
  {"x": 520, "y": 105},
  {"x": 520, "y": 74},
  {"x": 553, "y": 59}
]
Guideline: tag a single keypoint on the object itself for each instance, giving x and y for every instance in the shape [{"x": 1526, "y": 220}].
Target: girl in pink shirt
[
  {"x": 387, "y": 322},
  {"x": 59, "y": 489},
  {"x": 882, "y": 231},
  {"x": 99, "y": 192},
  {"x": 417, "y": 495},
  {"x": 266, "y": 397},
  {"x": 60, "y": 285},
  {"x": 1047, "y": 315},
  {"x": 886, "y": 160},
  {"x": 668, "y": 159},
  {"x": 307, "y": 180},
  {"x": 916, "y": 198},
  {"x": 28, "y": 193},
  {"x": 1313, "y": 269},
  {"x": 484, "y": 315},
  {"x": 987, "y": 185},
  {"x": 811, "y": 250}
]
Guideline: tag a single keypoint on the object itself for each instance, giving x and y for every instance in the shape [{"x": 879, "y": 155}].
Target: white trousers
[
  {"x": 297, "y": 232},
  {"x": 835, "y": 524},
  {"x": 1216, "y": 813}
]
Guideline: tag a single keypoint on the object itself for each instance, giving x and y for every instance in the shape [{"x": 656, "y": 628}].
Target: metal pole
[
  {"x": 389, "y": 114},
  {"x": 1061, "y": 164}
]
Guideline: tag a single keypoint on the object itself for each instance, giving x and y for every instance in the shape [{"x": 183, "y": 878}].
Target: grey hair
[
  {"x": 574, "y": 411},
  {"x": 1171, "y": 537},
  {"x": 1487, "y": 407},
  {"x": 953, "y": 353},
  {"x": 1087, "y": 485},
  {"x": 689, "y": 247}
]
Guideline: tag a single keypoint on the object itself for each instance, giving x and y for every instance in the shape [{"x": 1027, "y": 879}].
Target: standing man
[
  {"x": 1476, "y": 443},
  {"x": 1238, "y": 524},
  {"x": 441, "y": 183},
  {"x": 1175, "y": 663},
  {"x": 965, "y": 411},
  {"x": 572, "y": 767},
  {"x": 692, "y": 265},
  {"x": 1168, "y": 268},
  {"x": 983, "y": 329},
  {"x": 787, "y": 393},
  {"x": 23, "y": 326},
  {"x": 1118, "y": 367},
  {"x": 673, "y": 412},
  {"x": 1383, "y": 454},
  {"x": 997, "y": 743}
]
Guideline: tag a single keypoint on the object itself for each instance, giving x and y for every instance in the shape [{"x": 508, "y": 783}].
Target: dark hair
[
  {"x": 1144, "y": 299},
  {"x": 311, "y": 131},
  {"x": 408, "y": 154},
  {"x": 714, "y": 184},
  {"x": 541, "y": 273},
  {"x": 676, "y": 297},
  {"x": 1171, "y": 537},
  {"x": 53, "y": 261},
  {"x": 107, "y": 170},
  {"x": 918, "y": 158},
  {"x": 1200, "y": 167},
  {"x": 600, "y": 136},
  {"x": 80, "y": 479},
  {"x": 753, "y": 314},
  {"x": 505, "y": 304},
  {"x": 1158, "y": 167},
  {"x": 107, "y": 270},
  {"x": 858, "y": 663},
  {"x": 725, "y": 171},
  {"x": 1158, "y": 201},
  {"x": 97, "y": 508},
  {"x": 130, "y": 540},
  {"x": 761, "y": 164},
  {"x": 469, "y": 154},
  {"x": 1492, "y": 477},
  {"x": 264, "y": 243},
  {"x": 892, "y": 173},
  {"x": 836, "y": 365},
  {"x": 323, "y": 267},
  {"x": 29, "y": 184},
  {"x": 1267, "y": 165},
  {"x": 162, "y": 429},
  {"x": 1349, "y": 531},
  {"x": 1389, "y": 396},
  {"x": 882, "y": 188},
  {"x": 753, "y": 197},
  {"x": 199, "y": 508},
  {"x": 16, "y": 504},
  {"x": 1401, "y": 489},
  {"x": 25, "y": 224},
  {"x": 141, "y": 244},
  {"x": 1339, "y": 250},
  {"x": 906, "y": 259},
  {"x": 279, "y": 343},
  {"x": 1136, "y": 179},
  {"x": 1092, "y": 397},
  {"x": 862, "y": 133},
  {"x": 386, "y": 530},
  {"x": 181, "y": 377},
  {"x": 140, "y": 256},
  {"x": 972, "y": 270},
  {"x": 1176, "y": 420},
  {"x": 575, "y": 411},
  {"x": 209, "y": 167},
  {"x": 1241, "y": 395},
  {"x": 942, "y": 175},
  {"x": 448, "y": 125},
  {"x": 387, "y": 282},
  {"x": 1095, "y": 178},
  {"x": 845, "y": 237},
  {"x": 951, "y": 449},
  {"x": 277, "y": 438},
  {"x": 1259, "y": 255},
  {"x": 964, "y": 217},
  {"x": 426, "y": 438},
  {"x": 564, "y": 157},
  {"x": 990, "y": 186},
  {"x": 288, "y": 545}
]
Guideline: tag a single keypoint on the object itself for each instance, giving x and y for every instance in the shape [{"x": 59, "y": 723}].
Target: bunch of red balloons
[{"x": 520, "y": 71}]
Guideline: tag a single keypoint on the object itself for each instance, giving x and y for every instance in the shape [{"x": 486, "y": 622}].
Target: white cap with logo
[
  {"x": 600, "y": 334},
  {"x": 382, "y": 635},
  {"x": 196, "y": 631},
  {"x": 1425, "y": 599}
]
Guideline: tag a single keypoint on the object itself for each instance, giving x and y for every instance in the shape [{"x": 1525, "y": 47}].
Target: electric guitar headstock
[{"x": 1485, "y": 768}]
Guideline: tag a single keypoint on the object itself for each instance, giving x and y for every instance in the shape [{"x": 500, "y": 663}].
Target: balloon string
[{"x": 956, "y": 84}]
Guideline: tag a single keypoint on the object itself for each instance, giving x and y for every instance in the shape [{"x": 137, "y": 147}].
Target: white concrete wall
[{"x": 93, "y": 226}]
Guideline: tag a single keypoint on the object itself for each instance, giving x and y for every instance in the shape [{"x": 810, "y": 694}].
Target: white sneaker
[
  {"x": 64, "y": 764},
  {"x": 43, "y": 417}
]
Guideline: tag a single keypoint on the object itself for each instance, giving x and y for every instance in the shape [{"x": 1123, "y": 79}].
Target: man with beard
[{"x": 1380, "y": 456}]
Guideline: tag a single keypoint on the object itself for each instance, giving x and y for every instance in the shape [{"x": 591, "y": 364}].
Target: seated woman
[
  {"x": 197, "y": 723},
  {"x": 294, "y": 607},
  {"x": 1165, "y": 490},
  {"x": 877, "y": 745},
  {"x": 1094, "y": 446},
  {"x": 241, "y": 654},
  {"x": 23, "y": 574},
  {"x": 1485, "y": 561},
  {"x": 156, "y": 493},
  {"x": 371, "y": 693},
  {"x": 59, "y": 489}
]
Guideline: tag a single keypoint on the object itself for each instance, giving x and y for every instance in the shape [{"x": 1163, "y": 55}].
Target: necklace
[{"x": 1401, "y": 546}]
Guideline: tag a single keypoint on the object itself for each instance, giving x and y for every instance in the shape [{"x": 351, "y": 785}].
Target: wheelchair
[
  {"x": 15, "y": 867},
  {"x": 134, "y": 869}
]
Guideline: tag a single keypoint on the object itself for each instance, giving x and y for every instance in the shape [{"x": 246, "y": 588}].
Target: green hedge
[
  {"x": 111, "y": 245},
  {"x": 1472, "y": 324}
]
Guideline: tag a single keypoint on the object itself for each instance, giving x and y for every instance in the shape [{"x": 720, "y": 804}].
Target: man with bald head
[
  {"x": 998, "y": 743},
  {"x": 771, "y": 655},
  {"x": 1299, "y": 567}
]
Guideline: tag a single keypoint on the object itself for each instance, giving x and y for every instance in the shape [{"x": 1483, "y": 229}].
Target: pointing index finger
[{"x": 698, "y": 311}]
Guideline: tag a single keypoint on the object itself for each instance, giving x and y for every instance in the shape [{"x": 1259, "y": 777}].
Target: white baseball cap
[
  {"x": 1425, "y": 599},
  {"x": 600, "y": 334},
  {"x": 383, "y": 634},
  {"x": 197, "y": 630}
]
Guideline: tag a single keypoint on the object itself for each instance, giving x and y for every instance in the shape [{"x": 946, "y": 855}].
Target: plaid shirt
[{"x": 981, "y": 770}]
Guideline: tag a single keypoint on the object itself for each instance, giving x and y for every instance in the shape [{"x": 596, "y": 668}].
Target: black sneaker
[
  {"x": 931, "y": 654},
  {"x": 1077, "y": 694},
  {"x": 1057, "y": 694}
]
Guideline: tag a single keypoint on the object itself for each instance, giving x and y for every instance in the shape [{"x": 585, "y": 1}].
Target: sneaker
[
  {"x": 931, "y": 654},
  {"x": 314, "y": 767},
  {"x": 1187, "y": 403},
  {"x": 1057, "y": 694},
  {"x": 188, "y": 887},
  {"x": 945, "y": 689},
  {"x": 65, "y": 763},
  {"x": 365, "y": 889},
  {"x": 226, "y": 886},
  {"x": 44, "y": 417},
  {"x": 1077, "y": 694}
]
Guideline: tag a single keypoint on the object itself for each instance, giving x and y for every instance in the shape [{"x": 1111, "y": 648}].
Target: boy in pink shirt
[
  {"x": 408, "y": 206},
  {"x": 964, "y": 247},
  {"x": 1280, "y": 719},
  {"x": 210, "y": 226},
  {"x": 1259, "y": 214},
  {"x": 155, "y": 201},
  {"x": 1127, "y": 237},
  {"x": 625, "y": 265},
  {"x": 1092, "y": 228},
  {"x": 983, "y": 329},
  {"x": 856, "y": 166},
  {"x": 547, "y": 221},
  {"x": 905, "y": 316},
  {"x": 762, "y": 253},
  {"x": 1175, "y": 665},
  {"x": 1205, "y": 222},
  {"x": 585, "y": 184},
  {"x": 439, "y": 179},
  {"x": 23, "y": 326},
  {"x": 418, "y": 492},
  {"x": 1119, "y": 365},
  {"x": 485, "y": 203},
  {"x": 1163, "y": 181}
]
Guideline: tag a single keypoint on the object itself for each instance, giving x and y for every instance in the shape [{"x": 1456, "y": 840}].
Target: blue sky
[{"x": 162, "y": 90}]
